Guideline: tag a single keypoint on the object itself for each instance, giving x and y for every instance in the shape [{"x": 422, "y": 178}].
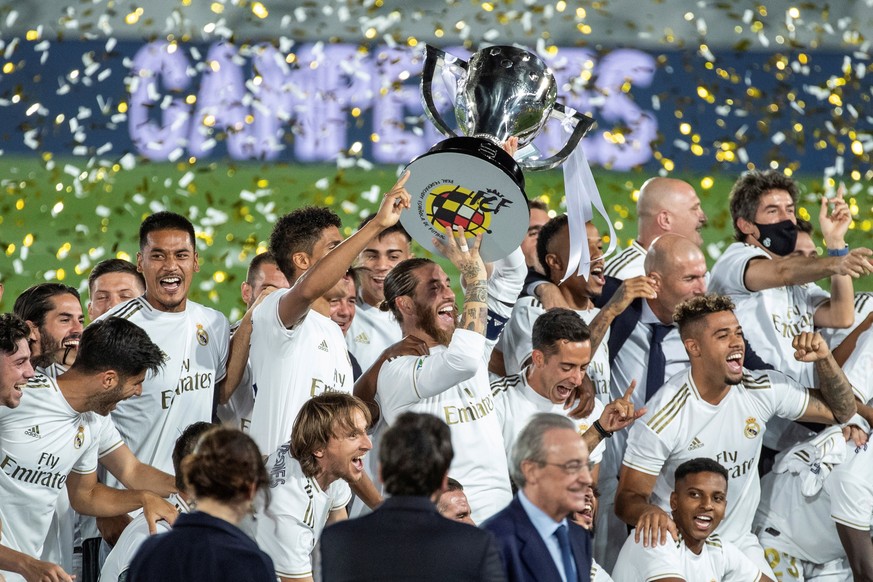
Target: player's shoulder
[
  {"x": 526, "y": 304},
  {"x": 132, "y": 309},
  {"x": 624, "y": 259},
  {"x": 669, "y": 404},
  {"x": 213, "y": 316},
  {"x": 501, "y": 386}
]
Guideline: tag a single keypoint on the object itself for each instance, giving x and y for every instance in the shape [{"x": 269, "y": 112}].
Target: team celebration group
[{"x": 657, "y": 419}]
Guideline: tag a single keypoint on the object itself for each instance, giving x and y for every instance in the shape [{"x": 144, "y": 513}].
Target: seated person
[{"x": 698, "y": 503}]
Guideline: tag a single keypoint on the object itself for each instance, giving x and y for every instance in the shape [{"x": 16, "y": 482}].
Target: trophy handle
[
  {"x": 562, "y": 114},
  {"x": 434, "y": 61}
]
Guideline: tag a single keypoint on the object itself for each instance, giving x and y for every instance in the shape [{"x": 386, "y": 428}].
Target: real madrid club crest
[
  {"x": 753, "y": 429},
  {"x": 202, "y": 336},
  {"x": 80, "y": 437}
]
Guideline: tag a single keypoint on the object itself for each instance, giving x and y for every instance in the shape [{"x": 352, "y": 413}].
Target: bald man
[
  {"x": 664, "y": 206},
  {"x": 676, "y": 268}
]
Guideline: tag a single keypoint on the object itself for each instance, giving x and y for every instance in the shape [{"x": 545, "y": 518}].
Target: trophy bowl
[{"x": 469, "y": 180}]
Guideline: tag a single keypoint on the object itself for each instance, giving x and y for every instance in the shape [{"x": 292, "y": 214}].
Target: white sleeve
[
  {"x": 790, "y": 399},
  {"x": 109, "y": 438},
  {"x": 815, "y": 295},
  {"x": 663, "y": 561},
  {"x": 87, "y": 462},
  {"x": 519, "y": 346},
  {"x": 408, "y": 379},
  {"x": 859, "y": 367},
  {"x": 288, "y": 542},
  {"x": 504, "y": 285},
  {"x": 646, "y": 452},
  {"x": 729, "y": 271},
  {"x": 851, "y": 497},
  {"x": 737, "y": 566},
  {"x": 340, "y": 494}
]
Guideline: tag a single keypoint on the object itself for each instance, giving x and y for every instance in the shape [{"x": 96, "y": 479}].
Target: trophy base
[{"x": 472, "y": 183}]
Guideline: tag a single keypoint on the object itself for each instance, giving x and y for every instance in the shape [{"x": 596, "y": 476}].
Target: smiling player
[
  {"x": 309, "y": 480},
  {"x": 698, "y": 504}
]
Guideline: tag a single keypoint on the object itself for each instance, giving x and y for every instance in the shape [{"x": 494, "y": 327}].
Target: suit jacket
[
  {"x": 524, "y": 552},
  {"x": 405, "y": 538}
]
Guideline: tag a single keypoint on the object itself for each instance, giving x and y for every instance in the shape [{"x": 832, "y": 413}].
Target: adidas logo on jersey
[
  {"x": 362, "y": 338},
  {"x": 33, "y": 432},
  {"x": 695, "y": 444},
  {"x": 323, "y": 346}
]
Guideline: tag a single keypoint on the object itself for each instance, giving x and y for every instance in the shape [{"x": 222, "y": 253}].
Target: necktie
[
  {"x": 656, "y": 364},
  {"x": 563, "y": 536}
]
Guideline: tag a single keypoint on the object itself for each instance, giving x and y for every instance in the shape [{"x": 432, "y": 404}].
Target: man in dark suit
[
  {"x": 537, "y": 540},
  {"x": 405, "y": 538}
]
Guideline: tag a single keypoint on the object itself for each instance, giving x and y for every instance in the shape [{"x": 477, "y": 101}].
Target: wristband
[
  {"x": 603, "y": 432},
  {"x": 839, "y": 252}
]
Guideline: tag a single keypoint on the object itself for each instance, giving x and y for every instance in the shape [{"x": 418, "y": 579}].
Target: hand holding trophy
[{"x": 470, "y": 181}]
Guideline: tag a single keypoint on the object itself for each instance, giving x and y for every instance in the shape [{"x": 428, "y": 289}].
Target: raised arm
[
  {"x": 629, "y": 290},
  {"x": 835, "y": 400},
  {"x": 238, "y": 351},
  {"x": 768, "y": 274},
  {"x": 840, "y": 310},
  {"x": 330, "y": 269}
]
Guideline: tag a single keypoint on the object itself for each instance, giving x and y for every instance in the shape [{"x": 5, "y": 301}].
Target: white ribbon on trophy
[{"x": 583, "y": 197}]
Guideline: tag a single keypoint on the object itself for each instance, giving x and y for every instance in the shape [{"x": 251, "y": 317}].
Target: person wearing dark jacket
[{"x": 405, "y": 538}]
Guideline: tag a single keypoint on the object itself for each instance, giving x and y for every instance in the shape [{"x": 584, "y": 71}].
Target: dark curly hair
[
  {"x": 299, "y": 231},
  {"x": 695, "y": 309}
]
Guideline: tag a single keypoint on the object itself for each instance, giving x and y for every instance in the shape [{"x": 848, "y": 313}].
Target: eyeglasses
[{"x": 571, "y": 467}]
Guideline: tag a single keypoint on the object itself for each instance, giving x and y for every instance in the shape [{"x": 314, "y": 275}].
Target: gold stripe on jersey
[
  {"x": 851, "y": 524},
  {"x": 130, "y": 309},
  {"x": 750, "y": 382},
  {"x": 505, "y": 384},
  {"x": 621, "y": 260},
  {"x": 714, "y": 540},
  {"x": 39, "y": 381},
  {"x": 669, "y": 411}
]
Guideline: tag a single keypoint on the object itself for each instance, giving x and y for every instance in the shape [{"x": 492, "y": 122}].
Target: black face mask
[{"x": 778, "y": 238}]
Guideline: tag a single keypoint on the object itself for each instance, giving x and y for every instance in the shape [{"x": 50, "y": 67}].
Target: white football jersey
[
  {"x": 679, "y": 425},
  {"x": 290, "y": 366},
  {"x": 137, "y": 531},
  {"x": 292, "y": 523},
  {"x": 183, "y": 392},
  {"x": 718, "y": 560},
  {"x": 238, "y": 410},
  {"x": 41, "y": 443},
  {"x": 452, "y": 384},
  {"x": 805, "y": 527},
  {"x": 516, "y": 402},
  {"x": 371, "y": 333},
  {"x": 772, "y": 317},
  {"x": 859, "y": 367},
  {"x": 629, "y": 263},
  {"x": 518, "y": 347},
  {"x": 863, "y": 307}
]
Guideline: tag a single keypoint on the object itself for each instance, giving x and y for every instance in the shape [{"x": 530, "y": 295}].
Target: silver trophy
[{"x": 469, "y": 180}]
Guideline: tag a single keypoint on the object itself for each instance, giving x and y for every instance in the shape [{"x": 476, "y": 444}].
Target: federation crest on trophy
[{"x": 469, "y": 180}]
